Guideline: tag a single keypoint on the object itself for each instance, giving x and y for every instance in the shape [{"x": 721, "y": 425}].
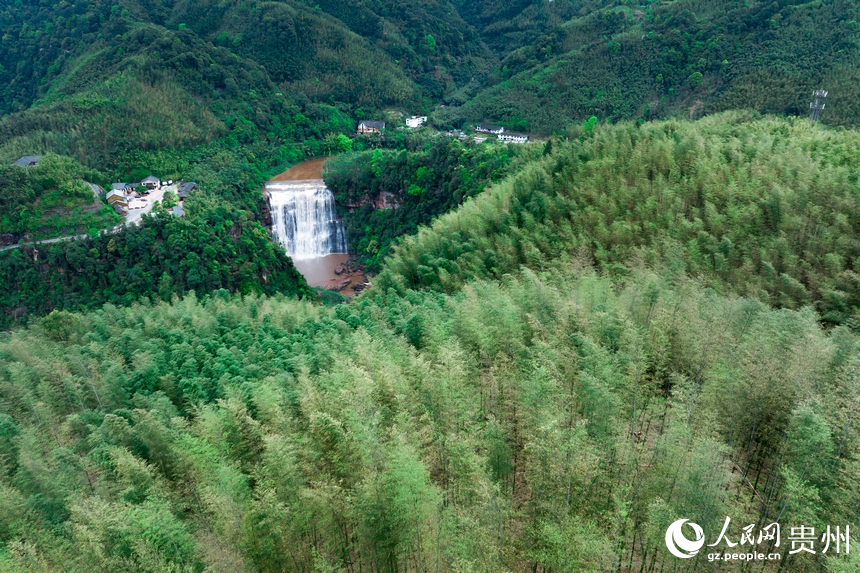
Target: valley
[{"x": 429, "y": 286}]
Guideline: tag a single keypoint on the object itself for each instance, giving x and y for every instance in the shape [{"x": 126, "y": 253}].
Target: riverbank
[
  {"x": 339, "y": 273},
  {"x": 311, "y": 169}
]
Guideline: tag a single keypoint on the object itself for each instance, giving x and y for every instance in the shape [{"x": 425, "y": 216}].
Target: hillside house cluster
[
  {"x": 501, "y": 134},
  {"x": 125, "y": 197}
]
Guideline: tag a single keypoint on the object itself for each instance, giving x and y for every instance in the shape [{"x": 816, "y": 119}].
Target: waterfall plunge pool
[{"x": 304, "y": 221}]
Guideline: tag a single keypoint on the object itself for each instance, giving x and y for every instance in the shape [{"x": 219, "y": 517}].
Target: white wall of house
[{"x": 416, "y": 121}]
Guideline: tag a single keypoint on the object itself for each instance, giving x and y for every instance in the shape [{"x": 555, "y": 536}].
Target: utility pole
[{"x": 817, "y": 105}]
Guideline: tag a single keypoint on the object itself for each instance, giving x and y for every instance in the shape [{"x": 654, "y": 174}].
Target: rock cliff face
[
  {"x": 266, "y": 213},
  {"x": 384, "y": 200}
]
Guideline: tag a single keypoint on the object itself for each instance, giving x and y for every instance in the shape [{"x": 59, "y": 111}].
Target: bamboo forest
[{"x": 429, "y": 286}]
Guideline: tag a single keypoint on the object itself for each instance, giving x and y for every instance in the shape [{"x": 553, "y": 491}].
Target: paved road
[
  {"x": 59, "y": 239},
  {"x": 133, "y": 218},
  {"x": 134, "y": 215}
]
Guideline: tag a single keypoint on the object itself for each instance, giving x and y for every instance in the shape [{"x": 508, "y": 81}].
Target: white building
[
  {"x": 416, "y": 121},
  {"x": 490, "y": 128},
  {"x": 511, "y": 137}
]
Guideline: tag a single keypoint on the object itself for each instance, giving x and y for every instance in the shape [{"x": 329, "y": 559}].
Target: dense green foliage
[
  {"x": 643, "y": 322},
  {"x": 51, "y": 199},
  {"x": 97, "y": 81},
  {"x": 620, "y": 60},
  {"x": 360, "y": 56},
  {"x": 223, "y": 245},
  {"x": 423, "y": 183},
  {"x": 766, "y": 208},
  {"x": 216, "y": 246},
  {"x": 554, "y": 420},
  {"x": 100, "y": 81},
  {"x": 225, "y": 92},
  {"x": 509, "y": 26}
]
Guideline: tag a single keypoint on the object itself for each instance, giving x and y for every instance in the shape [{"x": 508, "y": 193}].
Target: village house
[
  {"x": 186, "y": 188},
  {"x": 490, "y": 128},
  {"x": 416, "y": 121},
  {"x": 116, "y": 197},
  {"x": 511, "y": 137},
  {"x": 151, "y": 182},
  {"x": 178, "y": 211},
  {"x": 117, "y": 200},
  {"x": 368, "y": 126},
  {"x": 28, "y": 161}
]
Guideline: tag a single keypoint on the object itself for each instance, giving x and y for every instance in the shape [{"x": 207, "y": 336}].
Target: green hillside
[
  {"x": 423, "y": 183},
  {"x": 766, "y": 208},
  {"x": 651, "y": 315},
  {"x": 98, "y": 81},
  {"x": 508, "y": 26},
  {"x": 51, "y": 199},
  {"x": 105, "y": 82},
  {"x": 214, "y": 246},
  {"x": 637, "y": 327},
  {"x": 226, "y": 93},
  {"x": 617, "y": 60}
]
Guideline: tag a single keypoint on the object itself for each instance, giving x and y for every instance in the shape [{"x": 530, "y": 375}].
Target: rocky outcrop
[
  {"x": 384, "y": 200},
  {"x": 350, "y": 279}
]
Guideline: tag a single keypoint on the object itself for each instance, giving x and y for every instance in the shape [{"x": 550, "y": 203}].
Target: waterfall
[{"x": 304, "y": 220}]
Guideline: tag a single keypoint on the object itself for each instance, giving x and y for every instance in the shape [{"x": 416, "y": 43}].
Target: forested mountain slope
[
  {"x": 617, "y": 60},
  {"x": 108, "y": 79},
  {"x": 346, "y": 49},
  {"x": 424, "y": 182},
  {"x": 649, "y": 321},
  {"x": 102, "y": 82},
  {"x": 508, "y": 26},
  {"x": 214, "y": 246},
  {"x": 53, "y": 198},
  {"x": 542, "y": 380},
  {"x": 766, "y": 208}
]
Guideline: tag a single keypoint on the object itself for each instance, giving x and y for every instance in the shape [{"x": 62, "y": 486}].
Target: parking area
[{"x": 134, "y": 215}]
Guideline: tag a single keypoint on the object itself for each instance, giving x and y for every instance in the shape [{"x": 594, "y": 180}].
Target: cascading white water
[{"x": 304, "y": 220}]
